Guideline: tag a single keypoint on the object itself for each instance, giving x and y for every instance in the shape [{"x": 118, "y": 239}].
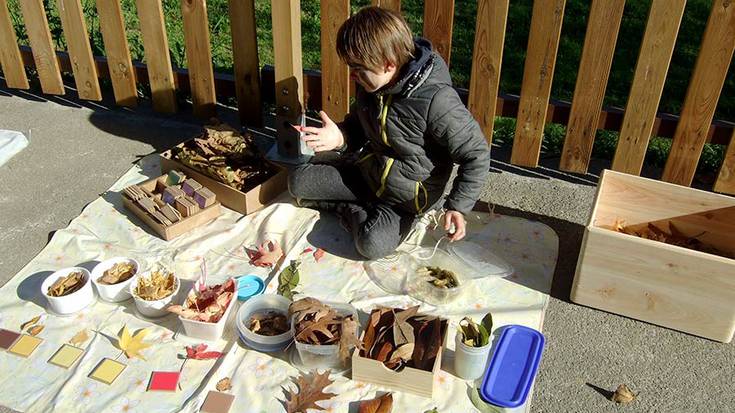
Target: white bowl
[
  {"x": 157, "y": 308},
  {"x": 114, "y": 293},
  {"x": 73, "y": 302},
  {"x": 266, "y": 344}
]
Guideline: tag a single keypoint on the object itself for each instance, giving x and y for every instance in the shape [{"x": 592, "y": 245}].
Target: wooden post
[
  {"x": 199, "y": 57},
  {"x": 486, "y": 60},
  {"x": 335, "y": 74},
  {"x": 438, "y": 21},
  {"x": 155, "y": 44},
  {"x": 394, "y": 5},
  {"x": 122, "y": 73},
  {"x": 726, "y": 178},
  {"x": 247, "y": 66},
  {"x": 10, "y": 59},
  {"x": 44, "y": 53},
  {"x": 77, "y": 39},
  {"x": 288, "y": 75}
]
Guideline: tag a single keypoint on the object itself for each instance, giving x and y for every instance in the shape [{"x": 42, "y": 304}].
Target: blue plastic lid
[
  {"x": 513, "y": 367},
  {"x": 248, "y": 286}
]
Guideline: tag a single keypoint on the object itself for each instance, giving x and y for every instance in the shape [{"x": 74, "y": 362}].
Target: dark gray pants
[{"x": 377, "y": 228}]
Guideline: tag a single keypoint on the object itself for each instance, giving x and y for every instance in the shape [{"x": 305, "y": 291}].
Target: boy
[{"x": 399, "y": 142}]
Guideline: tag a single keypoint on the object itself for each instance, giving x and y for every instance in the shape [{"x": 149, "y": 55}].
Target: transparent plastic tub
[
  {"x": 266, "y": 344},
  {"x": 481, "y": 262},
  {"x": 389, "y": 273},
  {"x": 418, "y": 287},
  {"x": 324, "y": 356}
]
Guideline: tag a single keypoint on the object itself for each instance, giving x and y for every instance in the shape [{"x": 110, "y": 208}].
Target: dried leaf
[
  {"x": 402, "y": 353},
  {"x": 67, "y": 285},
  {"x": 434, "y": 410},
  {"x": 79, "y": 338},
  {"x": 476, "y": 335},
  {"x": 30, "y": 322},
  {"x": 267, "y": 255},
  {"x": 199, "y": 353},
  {"x": 307, "y": 250},
  {"x": 207, "y": 304},
  {"x": 402, "y": 330},
  {"x": 674, "y": 237},
  {"x": 384, "y": 404},
  {"x": 623, "y": 395},
  {"x": 157, "y": 286},
  {"x": 348, "y": 339},
  {"x": 224, "y": 384},
  {"x": 316, "y": 323},
  {"x": 288, "y": 279},
  {"x": 310, "y": 389},
  {"x": 268, "y": 323},
  {"x": 119, "y": 272},
  {"x": 133, "y": 345},
  {"x": 318, "y": 254},
  {"x": 35, "y": 330}
]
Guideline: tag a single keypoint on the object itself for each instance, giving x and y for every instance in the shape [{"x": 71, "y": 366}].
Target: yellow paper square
[
  {"x": 107, "y": 371},
  {"x": 66, "y": 356},
  {"x": 25, "y": 345}
]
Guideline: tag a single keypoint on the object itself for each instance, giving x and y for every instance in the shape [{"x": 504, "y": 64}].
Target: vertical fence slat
[
  {"x": 122, "y": 73},
  {"x": 394, "y": 5},
  {"x": 199, "y": 57},
  {"x": 44, "y": 53},
  {"x": 155, "y": 46},
  {"x": 594, "y": 69},
  {"x": 703, "y": 92},
  {"x": 245, "y": 56},
  {"x": 438, "y": 21},
  {"x": 726, "y": 179},
  {"x": 80, "y": 52},
  {"x": 543, "y": 42},
  {"x": 335, "y": 74},
  {"x": 288, "y": 74},
  {"x": 487, "y": 57},
  {"x": 654, "y": 58},
  {"x": 10, "y": 60}
]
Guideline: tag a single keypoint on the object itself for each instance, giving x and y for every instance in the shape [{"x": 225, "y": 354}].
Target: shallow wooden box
[
  {"x": 671, "y": 286},
  {"x": 242, "y": 202},
  {"x": 409, "y": 380},
  {"x": 172, "y": 231}
]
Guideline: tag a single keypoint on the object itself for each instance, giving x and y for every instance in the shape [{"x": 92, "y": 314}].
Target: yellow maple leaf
[{"x": 132, "y": 345}]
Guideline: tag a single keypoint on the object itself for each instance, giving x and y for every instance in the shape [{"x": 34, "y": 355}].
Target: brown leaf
[
  {"x": 318, "y": 254},
  {"x": 385, "y": 350},
  {"x": 310, "y": 389},
  {"x": 224, "y": 384},
  {"x": 30, "y": 322},
  {"x": 348, "y": 339},
  {"x": 384, "y": 404},
  {"x": 402, "y": 330},
  {"x": 79, "y": 338},
  {"x": 35, "y": 330},
  {"x": 623, "y": 395},
  {"x": 403, "y": 353}
]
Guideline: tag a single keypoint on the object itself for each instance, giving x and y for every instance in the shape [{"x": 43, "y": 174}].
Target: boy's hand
[
  {"x": 326, "y": 138},
  {"x": 457, "y": 219}
]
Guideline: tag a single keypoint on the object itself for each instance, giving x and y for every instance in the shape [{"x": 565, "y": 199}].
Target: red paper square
[{"x": 164, "y": 381}]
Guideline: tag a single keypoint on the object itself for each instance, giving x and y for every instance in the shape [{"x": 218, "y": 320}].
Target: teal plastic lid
[{"x": 248, "y": 286}]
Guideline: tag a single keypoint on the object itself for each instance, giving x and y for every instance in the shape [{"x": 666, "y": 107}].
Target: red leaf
[
  {"x": 318, "y": 254},
  {"x": 198, "y": 353},
  {"x": 308, "y": 250},
  {"x": 267, "y": 255}
]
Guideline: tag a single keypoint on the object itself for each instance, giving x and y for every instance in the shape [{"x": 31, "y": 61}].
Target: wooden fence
[{"x": 293, "y": 90}]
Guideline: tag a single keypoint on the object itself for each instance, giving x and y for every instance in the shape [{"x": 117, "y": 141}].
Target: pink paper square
[{"x": 164, "y": 381}]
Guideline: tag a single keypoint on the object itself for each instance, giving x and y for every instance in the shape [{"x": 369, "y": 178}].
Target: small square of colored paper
[
  {"x": 7, "y": 338},
  {"x": 217, "y": 402},
  {"x": 66, "y": 356},
  {"x": 25, "y": 346},
  {"x": 107, "y": 371},
  {"x": 164, "y": 381}
]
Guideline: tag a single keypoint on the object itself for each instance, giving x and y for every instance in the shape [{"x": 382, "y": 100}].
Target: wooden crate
[
  {"x": 242, "y": 202},
  {"x": 172, "y": 231},
  {"x": 409, "y": 380},
  {"x": 671, "y": 286}
]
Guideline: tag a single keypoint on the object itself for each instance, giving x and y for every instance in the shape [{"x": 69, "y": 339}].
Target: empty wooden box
[{"x": 663, "y": 284}]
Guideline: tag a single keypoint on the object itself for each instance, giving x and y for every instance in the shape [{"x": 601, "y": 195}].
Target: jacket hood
[{"x": 415, "y": 71}]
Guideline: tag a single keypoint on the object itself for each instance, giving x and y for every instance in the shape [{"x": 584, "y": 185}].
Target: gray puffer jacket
[{"x": 412, "y": 132}]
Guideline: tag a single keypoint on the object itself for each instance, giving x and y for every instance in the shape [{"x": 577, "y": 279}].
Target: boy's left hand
[{"x": 456, "y": 218}]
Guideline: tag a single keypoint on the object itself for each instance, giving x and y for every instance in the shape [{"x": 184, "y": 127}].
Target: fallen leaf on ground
[
  {"x": 288, "y": 280},
  {"x": 318, "y": 254},
  {"x": 623, "y": 395},
  {"x": 267, "y": 255},
  {"x": 132, "y": 345},
  {"x": 79, "y": 338},
  {"x": 224, "y": 384},
  {"x": 199, "y": 353},
  {"x": 382, "y": 404},
  {"x": 310, "y": 389},
  {"x": 30, "y": 322},
  {"x": 307, "y": 250}
]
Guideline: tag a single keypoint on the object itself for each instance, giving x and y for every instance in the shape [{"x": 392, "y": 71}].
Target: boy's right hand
[{"x": 327, "y": 138}]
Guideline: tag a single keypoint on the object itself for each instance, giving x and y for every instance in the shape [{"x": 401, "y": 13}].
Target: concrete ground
[{"x": 78, "y": 149}]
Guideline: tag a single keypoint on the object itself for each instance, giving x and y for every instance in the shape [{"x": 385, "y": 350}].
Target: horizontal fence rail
[{"x": 292, "y": 90}]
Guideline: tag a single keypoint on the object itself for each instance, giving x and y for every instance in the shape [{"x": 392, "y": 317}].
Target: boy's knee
[
  {"x": 296, "y": 182},
  {"x": 375, "y": 247}
]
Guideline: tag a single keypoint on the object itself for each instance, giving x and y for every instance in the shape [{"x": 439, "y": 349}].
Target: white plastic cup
[
  {"x": 73, "y": 302},
  {"x": 266, "y": 344},
  {"x": 470, "y": 362},
  {"x": 208, "y": 331},
  {"x": 114, "y": 293},
  {"x": 157, "y": 308},
  {"x": 324, "y": 356}
]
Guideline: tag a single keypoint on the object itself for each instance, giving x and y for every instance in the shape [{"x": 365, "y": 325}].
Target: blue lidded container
[
  {"x": 248, "y": 286},
  {"x": 513, "y": 367}
]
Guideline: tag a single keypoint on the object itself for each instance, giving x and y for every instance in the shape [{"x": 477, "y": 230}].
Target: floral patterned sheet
[{"x": 105, "y": 229}]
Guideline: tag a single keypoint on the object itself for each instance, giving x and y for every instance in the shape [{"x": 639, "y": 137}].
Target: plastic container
[
  {"x": 480, "y": 261},
  {"x": 73, "y": 302},
  {"x": 208, "y": 331},
  {"x": 157, "y": 308},
  {"x": 114, "y": 293},
  {"x": 267, "y": 344},
  {"x": 513, "y": 367},
  {"x": 419, "y": 288},
  {"x": 324, "y": 356},
  {"x": 389, "y": 273},
  {"x": 249, "y": 286},
  {"x": 470, "y": 362}
]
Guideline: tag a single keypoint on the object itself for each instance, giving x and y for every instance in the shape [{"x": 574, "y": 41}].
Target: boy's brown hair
[{"x": 373, "y": 37}]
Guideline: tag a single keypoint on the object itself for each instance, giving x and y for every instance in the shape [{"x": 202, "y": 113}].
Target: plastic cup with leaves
[{"x": 472, "y": 347}]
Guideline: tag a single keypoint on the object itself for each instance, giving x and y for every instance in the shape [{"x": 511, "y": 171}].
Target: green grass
[{"x": 519, "y": 20}]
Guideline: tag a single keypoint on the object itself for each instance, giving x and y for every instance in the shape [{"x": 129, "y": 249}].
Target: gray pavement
[{"x": 78, "y": 149}]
